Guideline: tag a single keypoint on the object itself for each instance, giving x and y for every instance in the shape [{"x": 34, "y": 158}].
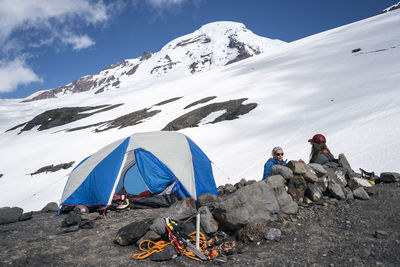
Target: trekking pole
[{"x": 198, "y": 230}]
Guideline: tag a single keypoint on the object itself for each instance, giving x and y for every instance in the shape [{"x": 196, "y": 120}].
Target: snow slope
[{"x": 313, "y": 85}]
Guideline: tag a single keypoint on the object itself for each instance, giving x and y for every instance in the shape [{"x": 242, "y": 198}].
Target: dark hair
[{"x": 317, "y": 148}]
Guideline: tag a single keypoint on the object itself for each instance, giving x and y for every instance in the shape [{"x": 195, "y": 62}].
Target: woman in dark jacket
[
  {"x": 277, "y": 159},
  {"x": 319, "y": 151}
]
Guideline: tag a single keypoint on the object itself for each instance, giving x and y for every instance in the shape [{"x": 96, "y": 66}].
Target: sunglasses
[{"x": 279, "y": 154}]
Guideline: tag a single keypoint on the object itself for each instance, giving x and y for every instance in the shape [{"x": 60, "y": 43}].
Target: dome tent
[{"x": 141, "y": 164}]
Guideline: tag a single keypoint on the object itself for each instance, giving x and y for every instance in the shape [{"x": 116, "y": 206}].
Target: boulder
[
  {"x": 10, "y": 215},
  {"x": 209, "y": 200},
  {"x": 348, "y": 193},
  {"x": 149, "y": 235},
  {"x": 355, "y": 182},
  {"x": 286, "y": 204},
  {"x": 26, "y": 216},
  {"x": 50, "y": 207},
  {"x": 181, "y": 210},
  {"x": 221, "y": 190},
  {"x": 297, "y": 187},
  {"x": 338, "y": 175},
  {"x": 273, "y": 234},
  {"x": 207, "y": 221},
  {"x": 86, "y": 224},
  {"x": 167, "y": 253},
  {"x": 241, "y": 183},
  {"x": 360, "y": 193},
  {"x": 283, "y": 171},
  {"x": 322, "y": 183},
  {"x": 345, "y": 164},
  {"x": 390, "y": 177},
  {"x": 335, "y": 189},
  {"x": 158, "y": 226},
  {"x": 73, "y": 218},
  {"x": 314, "y": 192},
  {"x": 310, "y": 174},
  {"x": 257, "y": 202},
  {"x": 297, "y": 167},
  {"x": 229, "y": 189},
  {"x": 252, "y": 232},
  {"x": 318, "y": 169},
  {"x": 131, "y": 233}
]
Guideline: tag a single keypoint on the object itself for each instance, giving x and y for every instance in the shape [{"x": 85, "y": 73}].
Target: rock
[
  {"x": 360, "y": 193},
  {"x": 209, "y": 200},
  {"x": 318, "y": 169},
  {"x": 241, "y": 183},
  {"x": 207, "y": 221},
  {"x": 10, "y": 215},
  {"x": 150, "y": 235},
  {"x": 345, "y": 164},
  {"x": 355, "y": 182},
  {"x": 286, "y": 204},
  {"x": 284, "y": 171},
  {"x": 73, "y": 218},
  {"x": 221, "y": 190},
  {"x": 338, "y": 175},
  {"x": 273, "y": 234},
  {"x": 371, "y": 190},
  {"x": 90, "y": 216},
  {"x": 256, "y": 202},
  {"x": 131, "y": 233},
  {"x": 380, "y": 233},
  {"x": 158, "y": 226},
  {"x": 335, "y": 190},
  {"x": 390, "y": 177},
  {"x": 310, "y": 174},
  {"x": 249, "y": 182},
  {"x": 348, "y": 193},
  {"x": 168, "y": 253},
  {"x": 314, "y": 192},
  {"x": 322, "y": 183},
  {"x": 181, "y": 210},
  {"x": 297, "y": 167},
  {"x": 297, "y": 187},
  {"x": 252, "y": 232},
  {"x": 86, "y": 224},
  {"x": 229, "y": 189},
  {"x": 26, "y": 216},
  {"x": 50, "y": 207}
]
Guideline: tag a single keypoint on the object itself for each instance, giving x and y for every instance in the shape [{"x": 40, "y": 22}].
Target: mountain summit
[{"x": 213, "y": 45}]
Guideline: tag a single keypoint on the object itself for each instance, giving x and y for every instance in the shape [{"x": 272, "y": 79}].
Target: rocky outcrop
[
  {"x": 261, "y": 202},
  {"x": 201, "y": 101},
  {"x": 54, "y": 168},
  {"x": 233, "y": 109},
  {"x": 61, "y": 116}
]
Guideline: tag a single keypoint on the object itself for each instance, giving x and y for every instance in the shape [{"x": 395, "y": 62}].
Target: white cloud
[
  {"x": 15, "y": 73},
  {"x": 164, "y": 3},
  {"x": 49, "y": 15},
  {"x": 79, "y": 42}
]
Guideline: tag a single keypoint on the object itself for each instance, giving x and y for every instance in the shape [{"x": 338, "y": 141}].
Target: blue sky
[{"x": 45, "y": 44}]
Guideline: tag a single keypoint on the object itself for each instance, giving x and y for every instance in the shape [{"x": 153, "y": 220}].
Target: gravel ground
[{"x": 336, "y": 233}]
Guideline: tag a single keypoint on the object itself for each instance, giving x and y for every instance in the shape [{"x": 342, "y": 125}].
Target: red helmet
[{"x": 318, "y": 139}]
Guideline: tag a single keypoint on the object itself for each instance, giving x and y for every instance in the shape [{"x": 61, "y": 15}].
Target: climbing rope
[{"x": 149, "y": 247}]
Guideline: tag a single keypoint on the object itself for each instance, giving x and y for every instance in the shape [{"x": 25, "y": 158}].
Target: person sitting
[
  {"x": 277, "y": 159},
  {"x": 319, "y": 151}
]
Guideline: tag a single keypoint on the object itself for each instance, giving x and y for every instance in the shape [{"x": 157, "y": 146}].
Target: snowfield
[{"x": 313, "y": 85}]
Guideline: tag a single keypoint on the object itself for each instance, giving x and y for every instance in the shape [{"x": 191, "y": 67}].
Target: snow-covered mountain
[
  {"x": 343, "y": 83},
  {"x": 213, "y": 45}
]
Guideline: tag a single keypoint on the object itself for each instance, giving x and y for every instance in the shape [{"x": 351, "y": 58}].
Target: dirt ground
[{"x": 336, "y": 233}]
